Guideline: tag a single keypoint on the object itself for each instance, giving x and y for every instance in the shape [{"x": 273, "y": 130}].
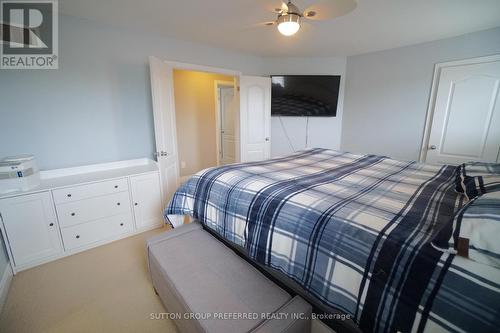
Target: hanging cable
[
  {"x": 307, "y": 132},
  {"x": 286, "y": 135}
]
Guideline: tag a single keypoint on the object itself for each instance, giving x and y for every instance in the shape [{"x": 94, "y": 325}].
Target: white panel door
[
  {"x": 466, "y": 118},
  {"x": 237, "y": 132},
  {"x": 165, "y": 129},
  {"x": 30, "y": 226},
  {"x": 227, "y": 126},
  {"x": 146, "y": 198},
  {"x": 255, "y": 118}
]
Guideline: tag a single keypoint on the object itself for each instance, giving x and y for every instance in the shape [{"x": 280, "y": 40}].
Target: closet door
[
  {"x": 255, "y": 118},
  {"x": 466, "y": 115},
  {"x": 164, "y": 122}
]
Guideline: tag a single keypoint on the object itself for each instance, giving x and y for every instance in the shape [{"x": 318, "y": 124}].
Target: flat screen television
[{"x": 304, "y": 95}]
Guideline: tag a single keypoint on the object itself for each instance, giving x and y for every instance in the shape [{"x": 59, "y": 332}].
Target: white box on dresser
[{"x": 75, "y": 209}]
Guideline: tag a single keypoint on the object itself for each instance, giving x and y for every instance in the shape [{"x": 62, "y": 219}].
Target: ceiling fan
[{"x": 290, "y": 17}]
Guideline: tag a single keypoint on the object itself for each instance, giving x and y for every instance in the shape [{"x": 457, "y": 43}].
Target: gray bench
[{"x": 206, "y": 287}]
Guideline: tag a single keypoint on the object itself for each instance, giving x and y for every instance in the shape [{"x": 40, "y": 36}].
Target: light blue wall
[
  {"x": 96, "y": 107},
  {"x": 387, "y": 92}
]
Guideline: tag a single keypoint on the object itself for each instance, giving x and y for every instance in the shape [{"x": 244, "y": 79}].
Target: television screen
[{"x": 305, "y": 95}]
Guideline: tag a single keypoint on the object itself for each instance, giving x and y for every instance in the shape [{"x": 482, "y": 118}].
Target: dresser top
[{"x": 60, "y": 178}]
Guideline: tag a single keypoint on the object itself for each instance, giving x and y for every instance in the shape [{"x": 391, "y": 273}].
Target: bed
[{"x": 354, "y": 235}]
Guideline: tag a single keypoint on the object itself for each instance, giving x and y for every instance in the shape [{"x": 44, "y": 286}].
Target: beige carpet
[{"x": 106, "y": 289}]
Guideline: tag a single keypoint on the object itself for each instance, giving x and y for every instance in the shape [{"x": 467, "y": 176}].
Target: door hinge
[{"x": 161, "y": 153}]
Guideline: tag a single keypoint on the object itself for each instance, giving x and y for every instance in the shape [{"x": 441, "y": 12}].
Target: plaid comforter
[{"x": 355, "y": 232}]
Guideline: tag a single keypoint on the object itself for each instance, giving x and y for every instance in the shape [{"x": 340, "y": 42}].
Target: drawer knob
[
  {"x": 121, "y": 224},
  {"x": 135, "y": 204},
  {"x": 116, "y": 186},
  {"x": 51, "y": 225},
  {"x": 77, "y": 236},
  {"x": 72, "y": 214},
  {"x": 118, "y": 204},
  {"x": 69, "y": 195}
]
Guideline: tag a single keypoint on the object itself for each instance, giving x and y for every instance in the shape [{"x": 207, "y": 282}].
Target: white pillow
[{"x": 479, "y": 222}]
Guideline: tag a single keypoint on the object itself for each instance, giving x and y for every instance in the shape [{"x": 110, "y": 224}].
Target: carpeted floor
[{"x": 106, "y": 289}]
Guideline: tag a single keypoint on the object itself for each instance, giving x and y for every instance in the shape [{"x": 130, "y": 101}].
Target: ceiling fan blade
[
  {"x": 284, "y": 7},
  {"x": 274, "y": 6},
  {"x": 329, "y": 9},
  {"x": 266, "y": 24},
  {"x": 260, "y": 25}
]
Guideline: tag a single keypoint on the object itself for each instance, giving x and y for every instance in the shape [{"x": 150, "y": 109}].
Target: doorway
[
  {"x": 205, "y": 118},
  {"x": 253, "y": 100},
  {"x": 226, "y": 122}
]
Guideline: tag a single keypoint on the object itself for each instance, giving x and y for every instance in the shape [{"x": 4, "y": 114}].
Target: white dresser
[{"x": 79, "y": 208}]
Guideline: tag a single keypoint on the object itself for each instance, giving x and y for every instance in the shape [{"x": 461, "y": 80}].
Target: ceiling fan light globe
[{"x": 288, "y": 25}]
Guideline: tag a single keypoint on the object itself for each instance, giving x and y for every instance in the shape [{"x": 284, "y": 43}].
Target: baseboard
[{"x": 5, "y": 285}]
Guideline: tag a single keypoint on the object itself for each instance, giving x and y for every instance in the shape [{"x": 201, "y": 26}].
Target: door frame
[
  {"x": 198, "y": 68},
  {"x": 218, "y": 116},
  {"x": 433, "y": 92}
]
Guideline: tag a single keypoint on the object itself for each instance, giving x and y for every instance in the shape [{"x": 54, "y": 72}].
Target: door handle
[
  {"x": 267, "y": 139},
  {"x": 433, "y": 147},
  {"x": 161, "y": 153}
]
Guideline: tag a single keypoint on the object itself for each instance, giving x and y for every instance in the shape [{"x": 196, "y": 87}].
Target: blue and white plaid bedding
[{"x": 355, "y": 232}]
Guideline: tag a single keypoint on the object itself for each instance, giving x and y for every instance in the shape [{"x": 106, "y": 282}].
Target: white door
[
  {"x": 146, "y": 198},
  {"x": 255, "y": 118},
  {"x": 164, "y": 121},
  {"x": 227, "y": 125},
  {"x": 466, "y": 117},
  {"x": 30, "y": 227}
]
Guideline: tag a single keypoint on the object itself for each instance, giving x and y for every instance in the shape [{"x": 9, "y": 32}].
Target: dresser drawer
[
  {"x": 80, "y": 192},
  {"x": 72, "y": 213},
  {"x": 95, "y": 231}
]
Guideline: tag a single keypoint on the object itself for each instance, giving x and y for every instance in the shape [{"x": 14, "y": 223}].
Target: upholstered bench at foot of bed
[{"x": 206, "y": 287}]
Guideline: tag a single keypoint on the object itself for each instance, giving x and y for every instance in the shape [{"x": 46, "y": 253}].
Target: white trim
[
  {"x": 432, "y": 98},
  {"x": 218, "y": 139},
  {"x": 72, "y": 171},
  {"x": 202, "y": 68},
  {"x": 5, "y": 285}
]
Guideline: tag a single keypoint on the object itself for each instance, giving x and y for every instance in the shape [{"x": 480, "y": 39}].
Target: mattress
[{"x": 354, "y": 233}]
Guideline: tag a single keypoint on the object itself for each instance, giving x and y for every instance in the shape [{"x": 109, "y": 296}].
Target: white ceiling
[{"x": 231, "y": 24}]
